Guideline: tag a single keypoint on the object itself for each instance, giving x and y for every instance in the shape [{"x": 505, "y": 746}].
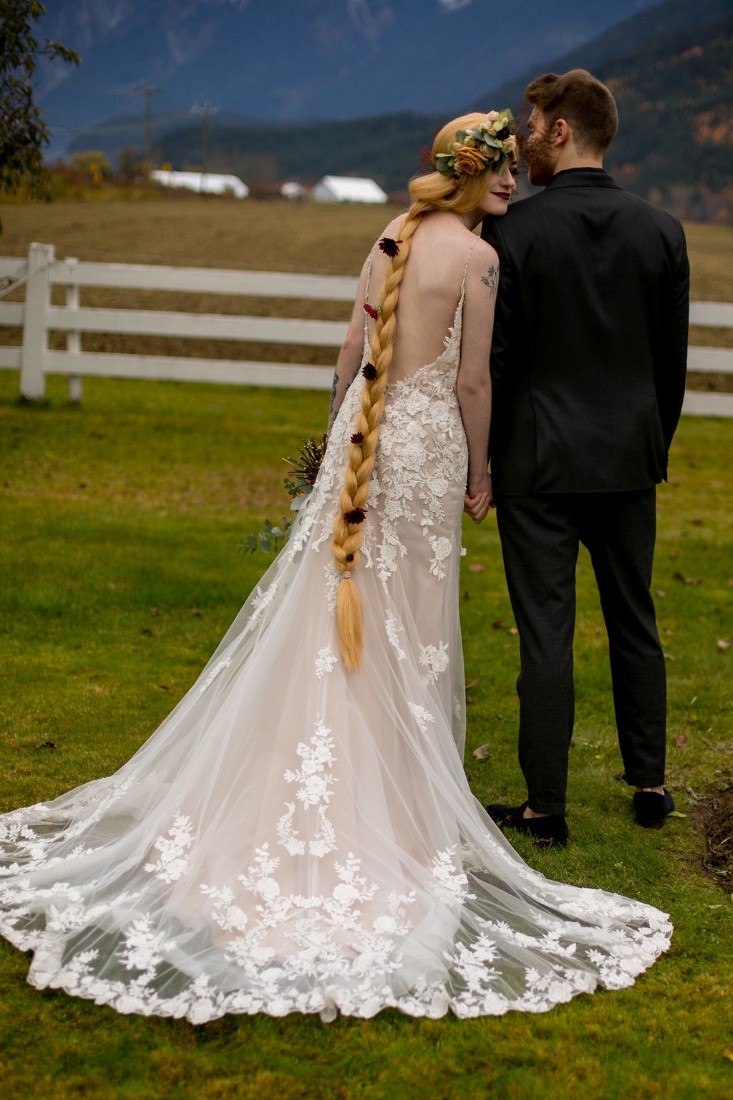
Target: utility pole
[
  {"x": 206, "y": 111},
  {"x": 149, "y": 91}
]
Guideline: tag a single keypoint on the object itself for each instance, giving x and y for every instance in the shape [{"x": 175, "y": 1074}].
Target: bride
[{"x": 298, "y": 835}]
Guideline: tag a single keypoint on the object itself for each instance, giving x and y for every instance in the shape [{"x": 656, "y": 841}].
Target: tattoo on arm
[{"x": 490, "y": 279}]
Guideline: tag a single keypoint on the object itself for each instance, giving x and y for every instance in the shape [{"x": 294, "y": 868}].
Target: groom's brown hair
[{"x": 582, "y": 100}]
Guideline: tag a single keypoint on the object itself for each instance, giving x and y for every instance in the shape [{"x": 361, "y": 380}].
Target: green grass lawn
[{"x": 120, "y": 523}]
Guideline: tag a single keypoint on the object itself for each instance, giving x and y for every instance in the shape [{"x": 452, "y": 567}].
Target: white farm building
[
  {"x": 347, "y": 189},
  {"x": 207, "y": 183}
]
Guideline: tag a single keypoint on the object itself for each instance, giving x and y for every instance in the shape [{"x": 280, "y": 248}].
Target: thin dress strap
[
  {"x": 366, "y": 299},
  {"x": 468, "y": 260},
  {"x": 369, "y": 275}
]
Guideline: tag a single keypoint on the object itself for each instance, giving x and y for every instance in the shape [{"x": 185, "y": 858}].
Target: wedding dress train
[{"x": 296, "y": 837}]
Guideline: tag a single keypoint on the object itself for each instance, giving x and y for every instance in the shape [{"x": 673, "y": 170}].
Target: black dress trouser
[{"x": 540, "y": 538}]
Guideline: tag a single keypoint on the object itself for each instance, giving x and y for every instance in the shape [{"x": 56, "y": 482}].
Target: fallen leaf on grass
[
  {"x": 476, "y": 567},
  {"x": 680, "y": 741},
  {"x": 472, "y": 683},
  {"x": 676, "y": 813},
  {"x": 497, "y": 625},
  {"x": 512, "y": 630},
  {"x": 686, "y": 580},
  {"x": 482, "y": 752},
  {"x": 722, "y": 644},
  {"x": 669, "y": 657},
  {"x": 728, "y": 1054},
  {"x": 661, "y": 593}
]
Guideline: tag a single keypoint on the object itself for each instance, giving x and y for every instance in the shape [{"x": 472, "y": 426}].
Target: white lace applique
[
  {"x": 314, "y": 790},
  {"x": 388, "y": 554},
  {"x": 260, "y": 601},
  {"x": 144, "y": 948},
  {"x": 435, "y": 659},
  {"x": 441, "y": 550},
  {"x": 431, "y": 515},
  {"x": 422, "y": 716},
  {"x": 228, "y": 917},
  {"x": 173, "y": 850},
  {"x": 90, "y": 805},
  {"x": 393, "y": 628},
  {"x": 366, "y": 547},
  {"x": 325, "y": 662},
  {"x": 219, "y": 667},
  {"x": 317, "y": 927},
  {"x": 449, "y": 882},
  {"x": 13, "y": 829},
  {"x": 333, "y": 577}
]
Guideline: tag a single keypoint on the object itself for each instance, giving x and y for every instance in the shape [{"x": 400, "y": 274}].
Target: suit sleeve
[
  {"x": 672, "y": 371},
  {"x": 501, "y": 339}
]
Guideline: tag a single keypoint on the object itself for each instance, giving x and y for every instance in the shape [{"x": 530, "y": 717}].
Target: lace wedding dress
[{"x": 298, "y": 838}]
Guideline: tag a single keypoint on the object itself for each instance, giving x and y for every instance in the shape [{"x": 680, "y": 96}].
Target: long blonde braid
[{"x": 347, "y": 529}]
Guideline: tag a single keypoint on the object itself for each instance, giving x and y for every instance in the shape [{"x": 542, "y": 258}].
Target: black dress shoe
[
  {"x": 651, "y": 808},
  {"x": 546, "y": 831}
]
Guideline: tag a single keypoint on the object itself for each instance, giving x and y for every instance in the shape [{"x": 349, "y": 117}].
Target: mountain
[
  {"x": 673, "y": 90},
  {"x": 669, "y": 67},
  {"x": 295, "y": 60},
  {"x": 627, "y": 38}
]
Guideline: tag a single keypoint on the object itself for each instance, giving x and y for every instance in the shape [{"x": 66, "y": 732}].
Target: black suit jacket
[{"x": 589, "y": 352}]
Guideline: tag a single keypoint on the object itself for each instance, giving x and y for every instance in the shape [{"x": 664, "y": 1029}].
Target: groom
[{"x": 588, "y": 369}]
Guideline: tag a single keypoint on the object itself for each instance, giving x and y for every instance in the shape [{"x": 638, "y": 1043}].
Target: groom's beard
[{"x": 541, "y": 159}]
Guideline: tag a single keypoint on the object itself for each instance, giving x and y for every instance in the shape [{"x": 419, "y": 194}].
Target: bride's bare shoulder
[{"x": 392, "y": 229}]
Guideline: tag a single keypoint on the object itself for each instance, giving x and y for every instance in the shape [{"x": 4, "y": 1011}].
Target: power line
[
  {"x": 207, "y": 111},
  {"x": 149, "y": 91}
]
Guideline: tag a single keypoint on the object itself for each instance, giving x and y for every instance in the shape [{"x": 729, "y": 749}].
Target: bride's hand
[{"x": 478, "y": 499}]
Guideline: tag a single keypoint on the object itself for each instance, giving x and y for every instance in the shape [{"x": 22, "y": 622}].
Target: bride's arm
[
  {"x": 474, "y": 380},
  {"x": 349, "y": 359}
]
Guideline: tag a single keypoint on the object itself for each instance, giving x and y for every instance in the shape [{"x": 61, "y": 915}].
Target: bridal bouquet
[{"x": 299, "y": 483}]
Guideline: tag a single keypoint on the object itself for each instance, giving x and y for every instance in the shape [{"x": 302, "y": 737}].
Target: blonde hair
[{"x": 431, "y": 192}]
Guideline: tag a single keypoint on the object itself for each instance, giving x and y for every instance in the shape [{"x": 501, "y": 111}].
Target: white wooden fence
[{"x": 40, "y": 272}]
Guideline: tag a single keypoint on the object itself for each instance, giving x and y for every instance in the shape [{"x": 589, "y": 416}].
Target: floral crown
[{"x": 486, "y": 147}]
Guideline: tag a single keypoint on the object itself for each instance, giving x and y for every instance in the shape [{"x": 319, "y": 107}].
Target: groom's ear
[{"x": 561, "y": 132}]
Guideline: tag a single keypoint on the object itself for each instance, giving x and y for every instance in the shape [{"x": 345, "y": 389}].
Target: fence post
[
  {"x": 35, "y": 334},
  {"x": 73, "y": 339}
]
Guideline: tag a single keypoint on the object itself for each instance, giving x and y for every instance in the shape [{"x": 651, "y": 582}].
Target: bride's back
[{"x": 429, "y": 292}]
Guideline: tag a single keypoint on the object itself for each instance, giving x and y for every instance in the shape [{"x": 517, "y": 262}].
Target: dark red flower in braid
[
  {"x": 356, "y": 515},
  {"x": 389, "y": 246},
  {"x": 373, "y": 313},
  {"x": 357, "y": 438},
  {"x": 369, "y": 371}
]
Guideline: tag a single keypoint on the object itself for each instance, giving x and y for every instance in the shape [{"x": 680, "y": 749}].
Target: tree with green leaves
[{"x": 23, "y": 131}]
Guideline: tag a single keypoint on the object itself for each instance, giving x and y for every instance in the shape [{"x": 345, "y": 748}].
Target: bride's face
[{"x": 500, "y": 186}]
